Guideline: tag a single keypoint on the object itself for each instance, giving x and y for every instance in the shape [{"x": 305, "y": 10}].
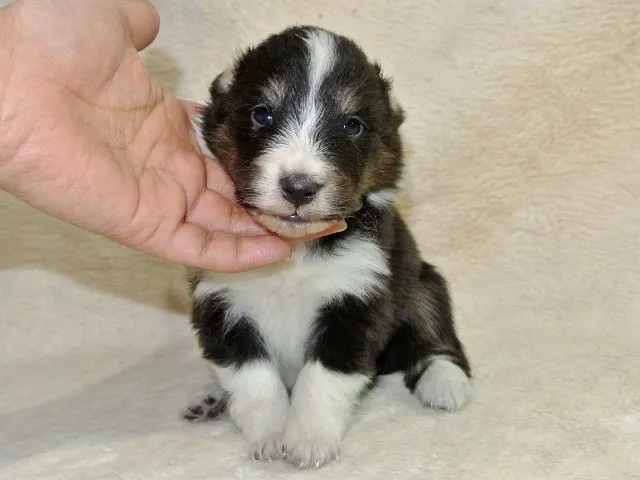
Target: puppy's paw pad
[
  {"x": 267, "y": 449},
  {"x": 308, "y": 454},
  {"x": 444, "y": 385},
  {"x": 203, "y": 408}
]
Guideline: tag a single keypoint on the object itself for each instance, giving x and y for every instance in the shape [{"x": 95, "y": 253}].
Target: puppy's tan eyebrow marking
[
  {"x": 349, "y": 100},
  {"x": 274, "y": 92}
]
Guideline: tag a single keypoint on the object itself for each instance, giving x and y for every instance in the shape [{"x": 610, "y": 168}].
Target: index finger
[
  {"x": 196, "y": 247},
  {"x": 213, "y": 211}
]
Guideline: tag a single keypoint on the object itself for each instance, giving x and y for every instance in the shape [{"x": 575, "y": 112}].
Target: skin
[{"x": 87, "y": 136}]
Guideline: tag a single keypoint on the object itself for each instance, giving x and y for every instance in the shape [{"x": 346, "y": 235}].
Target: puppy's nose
[{"x": 299, "y": 189}]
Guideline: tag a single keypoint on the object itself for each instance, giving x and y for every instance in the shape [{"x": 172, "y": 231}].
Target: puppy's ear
[
  {"x": 216, "y": 134},
  {"x": 222, "y": 83},
  {"x": 219, "y": 93},
  {"x": 396, "y": 110}
]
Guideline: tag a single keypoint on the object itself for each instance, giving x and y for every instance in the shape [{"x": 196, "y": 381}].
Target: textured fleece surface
[{"x": 523, "y": 186}]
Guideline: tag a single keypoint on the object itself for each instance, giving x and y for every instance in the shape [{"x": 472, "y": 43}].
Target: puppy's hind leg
[
  {"x": 208, "y": 405},
  {"x": 439, "y": 373}
]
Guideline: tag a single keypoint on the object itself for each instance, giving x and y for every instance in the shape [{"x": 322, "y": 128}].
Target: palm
[{"x": 124, "y": 152}]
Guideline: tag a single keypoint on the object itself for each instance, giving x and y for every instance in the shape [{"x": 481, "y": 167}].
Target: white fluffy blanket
[{"x": 523, "y": 186}]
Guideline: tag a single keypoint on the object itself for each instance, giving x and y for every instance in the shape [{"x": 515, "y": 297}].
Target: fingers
[
  {"x": 329, "y": 231},
  {"x": 144, "y": 22},
  {"x": 221, "y": 252},
  {"x": 218, "y": 179},
  {"x": 212, "y": 211}
]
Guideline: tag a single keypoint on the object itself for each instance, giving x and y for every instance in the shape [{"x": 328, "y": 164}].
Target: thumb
[{"x": 143, "y": 20}]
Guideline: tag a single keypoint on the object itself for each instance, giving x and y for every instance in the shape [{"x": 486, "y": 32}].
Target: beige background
[{"x": 523, "y": 139}]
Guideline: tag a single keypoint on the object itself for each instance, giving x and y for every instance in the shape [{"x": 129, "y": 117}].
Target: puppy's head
[{"x": 305, "y": 126}]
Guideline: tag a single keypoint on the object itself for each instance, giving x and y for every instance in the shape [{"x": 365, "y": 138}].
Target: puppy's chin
[{"x": 298, "y": 229}]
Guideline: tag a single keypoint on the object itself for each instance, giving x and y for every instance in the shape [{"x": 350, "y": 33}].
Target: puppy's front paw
[
  {"x": 310, "y": 451},
  {"x": 267, "y": 449}
]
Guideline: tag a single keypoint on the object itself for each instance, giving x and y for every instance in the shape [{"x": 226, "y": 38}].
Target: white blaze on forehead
[
  {"x": 322, "y": 58},
  {"x": 297, "y": 148},
  {"x": 297, "y": 142}
]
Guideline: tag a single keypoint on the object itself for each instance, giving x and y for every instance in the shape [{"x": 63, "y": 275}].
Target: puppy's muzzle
[{"x": 299, "y": 189}]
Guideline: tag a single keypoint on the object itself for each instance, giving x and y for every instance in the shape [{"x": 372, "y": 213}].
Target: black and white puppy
[{"x": 305, "y": 126}]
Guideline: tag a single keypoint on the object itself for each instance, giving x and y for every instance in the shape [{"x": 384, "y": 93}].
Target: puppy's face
[{"x": 304, "y": 125}]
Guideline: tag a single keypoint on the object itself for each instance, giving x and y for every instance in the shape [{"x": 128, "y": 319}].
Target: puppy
[{"x": 305, "y": 126}]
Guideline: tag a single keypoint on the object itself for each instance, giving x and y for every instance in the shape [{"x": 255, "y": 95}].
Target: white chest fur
[{"x": 283, "y": 300}]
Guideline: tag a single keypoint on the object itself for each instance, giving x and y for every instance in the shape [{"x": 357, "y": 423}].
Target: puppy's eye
[
  {"x": 353, "y": 127},
  {"x": 261, "y": 116}
]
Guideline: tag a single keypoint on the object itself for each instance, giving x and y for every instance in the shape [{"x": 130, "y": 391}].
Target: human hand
[{"x": 88, "y": 136}]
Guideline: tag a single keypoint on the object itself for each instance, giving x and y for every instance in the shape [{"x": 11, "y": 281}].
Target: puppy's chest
[
  {"x": 284, "y": 302},
  {"x": 283, "y": 306}
]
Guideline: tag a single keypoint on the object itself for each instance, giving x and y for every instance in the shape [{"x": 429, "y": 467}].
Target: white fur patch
[
  {"x": 296, "y": 150},
  {"x": 444, "y": 385},
  {"x": 321, "y": 406},
  {"x": 258, "y": 404},
  {"x": 283, "y": 300},
  {"x": 383, "y": 199},
  {"x": 322, "y": 58},
  {"x": 224, "y": 81},
  {"x": 197, "y": 129}
]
